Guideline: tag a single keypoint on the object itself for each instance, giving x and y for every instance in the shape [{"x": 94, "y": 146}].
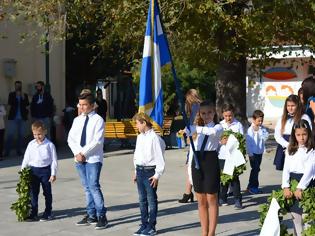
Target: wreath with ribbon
[
  {"x": 225, "y": 178},
  {"x": 307, "y": 203}
]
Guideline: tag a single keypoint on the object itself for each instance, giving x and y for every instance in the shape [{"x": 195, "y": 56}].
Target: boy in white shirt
[
  {"x": 85, "y": 139},
  {"x": 41, "y": 157},
  {"x": 149, "y": 164},
  {"x": 255, "y": 143},
  {"x": 229, "y": 123}
]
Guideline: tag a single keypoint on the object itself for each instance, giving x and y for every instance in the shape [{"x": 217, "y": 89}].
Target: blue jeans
[
  {"x": 147, "y": 197},
  {"x": 255, "y": 162},
  {"x": 14, "y": 127},
  {"x": 89, "y": 175},
  {"x": 40, "y": 176}
]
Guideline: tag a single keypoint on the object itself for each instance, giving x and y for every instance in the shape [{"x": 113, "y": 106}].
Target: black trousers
[
  {"x": 236, "y": 190},
  {"x": 1, "y": 141},
  {"x": 40, "y": 176}
]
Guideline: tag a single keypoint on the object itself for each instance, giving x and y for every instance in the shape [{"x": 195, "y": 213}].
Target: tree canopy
[{"x": 203, "y": 34}]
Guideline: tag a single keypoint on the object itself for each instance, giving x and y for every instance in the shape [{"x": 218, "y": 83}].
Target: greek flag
[{"x": 155, "y": 55}]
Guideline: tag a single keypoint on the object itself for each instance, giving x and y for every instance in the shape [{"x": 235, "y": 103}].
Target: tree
[{"x": 209, "y": 34}]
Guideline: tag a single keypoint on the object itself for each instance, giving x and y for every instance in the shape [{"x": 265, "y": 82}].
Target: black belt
[{"x": 139, "y": 167}]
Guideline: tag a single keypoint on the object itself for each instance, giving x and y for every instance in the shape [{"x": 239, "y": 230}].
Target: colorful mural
[{"x": 280, "y": 73}]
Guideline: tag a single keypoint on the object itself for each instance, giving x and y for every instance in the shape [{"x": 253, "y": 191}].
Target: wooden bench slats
[{"x": 128, "y": 129}]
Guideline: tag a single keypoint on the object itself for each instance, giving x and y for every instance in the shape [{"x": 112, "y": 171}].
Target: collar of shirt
[
  {"x": 42, "y": 143},
  {"x": 210, "y": 124},
  {"x": 89, "y": 114}
]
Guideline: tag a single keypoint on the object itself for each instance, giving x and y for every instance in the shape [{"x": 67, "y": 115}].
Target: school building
[{"x": 268, "y": 89}]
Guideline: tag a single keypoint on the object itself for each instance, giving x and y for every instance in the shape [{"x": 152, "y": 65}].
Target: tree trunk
[{"x": 231, "y": 86}]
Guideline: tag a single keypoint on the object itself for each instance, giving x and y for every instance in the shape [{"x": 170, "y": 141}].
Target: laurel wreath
[
  {"x": 225, "y": 178},
  {"x": 307, "y": 203},
  {"x": 23, "y": 205}
]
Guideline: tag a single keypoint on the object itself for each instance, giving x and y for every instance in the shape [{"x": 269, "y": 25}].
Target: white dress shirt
[
  {"x": 309, "y": 173},
  {"x": 149, "y": 151},
  {"x": 214, "y": 131},
  {"x": 93, "y": 150},
  {"x": 255, "y": 140},
  {"x": 287, "y": 130},
  {"x": 235, "y": 126},
  {"x": 41, "y": 155},
  {"x": 297, "y": 164}
]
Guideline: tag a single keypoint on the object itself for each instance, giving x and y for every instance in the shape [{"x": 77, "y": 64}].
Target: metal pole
[{"x": 47, "y": 62}]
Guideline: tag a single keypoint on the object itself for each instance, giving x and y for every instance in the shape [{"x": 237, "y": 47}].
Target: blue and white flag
[{"x": 155, "y": 55}]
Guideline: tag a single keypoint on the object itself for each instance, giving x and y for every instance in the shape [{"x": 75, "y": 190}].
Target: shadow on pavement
[
  {"x": 68, "y": 213},
  {"x": 179, "y": 227}
]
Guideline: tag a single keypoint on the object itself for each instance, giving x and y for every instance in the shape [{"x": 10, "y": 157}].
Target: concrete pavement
[{"x": 122, "y": 199}]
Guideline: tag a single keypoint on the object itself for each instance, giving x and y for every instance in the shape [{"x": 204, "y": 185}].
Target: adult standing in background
[
  {"x": 42, "y": 106},
  {"x": 101, "y": 104},
  {"x": 18, "y": 113},
  {"x": 2, "y": 128}
]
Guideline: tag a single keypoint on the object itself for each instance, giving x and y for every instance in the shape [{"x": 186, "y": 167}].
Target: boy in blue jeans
[
  {"x": 41, "y": 157},
  {"x": 255, "y": 142},
  {"x": 149, "y": 164}
]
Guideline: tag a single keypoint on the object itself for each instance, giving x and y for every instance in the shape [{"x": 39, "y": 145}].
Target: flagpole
[{"x": 181, "y": 100}]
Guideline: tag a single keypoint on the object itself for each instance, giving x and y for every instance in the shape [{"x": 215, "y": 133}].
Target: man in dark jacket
[
  {"x": 18, "y": 112},
  {"x": 42, "y": 106}
]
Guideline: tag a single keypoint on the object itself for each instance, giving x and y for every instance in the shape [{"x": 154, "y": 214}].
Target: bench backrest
[{"x": 128, "y": 129}]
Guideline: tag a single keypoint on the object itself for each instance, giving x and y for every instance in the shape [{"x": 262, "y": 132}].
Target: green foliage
[
  {"x": 201, "y": 33},
  {"x": 307, "y": 203},
  {"x": 225, "y": 178},
  {"x": 23, "y": 205}
]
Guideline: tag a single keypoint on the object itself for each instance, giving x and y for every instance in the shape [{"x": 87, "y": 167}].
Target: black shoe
[
  {"x": 86, "y": 221},
  {"x": 140, "y": 230},
  {"x": 238, "y": 204},
  {"x": 46, "y": 217},
  {"x": 31, "y": 218},
  {"x": 186, "y": 198},
  {"x": 101, "y": 223},
  {"x": 223, "y": 202}
]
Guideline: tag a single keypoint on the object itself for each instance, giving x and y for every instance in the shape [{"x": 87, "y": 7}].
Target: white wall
[
  {"x": 30, "y": 66},
  {"x": 269, "y": 95}
]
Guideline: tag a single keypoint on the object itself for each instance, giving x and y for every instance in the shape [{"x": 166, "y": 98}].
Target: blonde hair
[
  {"x": 142, "y": 117},
  {"x": 39, "y": 125},
  {"x": 192, "y": 96}
]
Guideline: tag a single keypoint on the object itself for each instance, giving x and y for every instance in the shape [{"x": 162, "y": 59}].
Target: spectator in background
[
  {"x": 2, "y": 128},
  {"x": 42, "y": 106},
  {"x": 101, "y": 103},
  {"x": 18, "y": 112},
  {"x": 69, "y": 113}
]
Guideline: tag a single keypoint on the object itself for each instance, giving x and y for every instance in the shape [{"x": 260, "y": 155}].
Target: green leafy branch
[
  {"x": 307, "y": 203},
  {"x": 225, "y": 178},
  {"x": 23, "y": 205}
]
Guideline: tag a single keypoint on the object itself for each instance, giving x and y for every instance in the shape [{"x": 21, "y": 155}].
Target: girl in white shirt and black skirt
[
  {"x": 206, "y": 179},
  {"x": 292, "y": 112},
  {"x": 298, "y": 156}
]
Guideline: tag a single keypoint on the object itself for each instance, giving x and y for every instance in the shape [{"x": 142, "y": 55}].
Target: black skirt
[
  {"x": 207, "y": 178},
  {"x": 280, "y": 155}
]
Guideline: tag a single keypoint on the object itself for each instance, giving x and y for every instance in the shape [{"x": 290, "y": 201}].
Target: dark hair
[
  {"x": 293, "y": 144},
  {"x": 87, "y": 96},
  {"x": 40, "y": 83},
  {"x": 18, "y": 82},
  {"x": 211, "y": 105},
  {"x": 227, "y": 107},
  {"x": 258, "y": 114},
  {"x": 308, "y": 86},
  {"x": 298, "y": 113}
]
